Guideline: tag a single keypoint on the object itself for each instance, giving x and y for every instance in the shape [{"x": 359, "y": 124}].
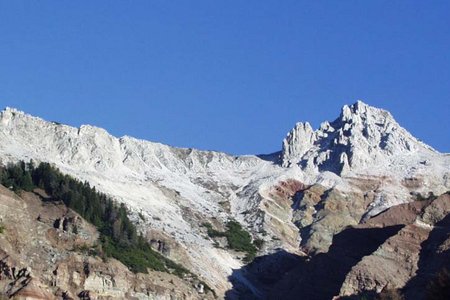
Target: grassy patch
[{"x": 237, "y": 237}]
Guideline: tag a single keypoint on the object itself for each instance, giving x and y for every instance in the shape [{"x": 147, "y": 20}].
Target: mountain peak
[
  {"x": 362, "y": 136},
  {"x": 11, "y": 111},
  {"x": 364, "y": 111}
]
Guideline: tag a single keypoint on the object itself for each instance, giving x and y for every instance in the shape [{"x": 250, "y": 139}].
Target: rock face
[
  {"x": 402, "y": 248},
  {"x": 366, "y": 142},
  {"x": 404, "y": 257},
  {"x": 41, "y": 262},
  {"x": 320, "y": 213},
  {"x": 324, "y": 180},
  {"x": 362, "y": 137}
]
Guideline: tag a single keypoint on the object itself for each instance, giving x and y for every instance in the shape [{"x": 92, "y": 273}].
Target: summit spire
[{"x": 362, "y": 136}]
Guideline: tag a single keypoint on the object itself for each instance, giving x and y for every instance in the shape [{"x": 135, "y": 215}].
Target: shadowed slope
[
  {"x": 319, "y": 277},
  {"x": 431, "y": 261}
]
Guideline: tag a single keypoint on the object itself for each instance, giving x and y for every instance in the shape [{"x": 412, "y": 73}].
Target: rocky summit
[
  {"x": 355, "y": 208},
  {"x": 359, "y": 139}
]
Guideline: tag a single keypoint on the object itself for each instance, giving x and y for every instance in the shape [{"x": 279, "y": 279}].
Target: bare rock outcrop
[
  {"x": 403, "y": 256},
  {"x": 361, "y": 137},
  {"x": 41, "y": 261}
]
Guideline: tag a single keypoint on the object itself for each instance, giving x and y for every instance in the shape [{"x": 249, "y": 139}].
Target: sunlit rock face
[{"x": 361, "y": 138}]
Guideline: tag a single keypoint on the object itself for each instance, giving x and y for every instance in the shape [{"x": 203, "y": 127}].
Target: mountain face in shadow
[
  {"x": 287, "y": 276},
  {"x": 432, "y": 260},
  {"x": 257, "y": 279}
]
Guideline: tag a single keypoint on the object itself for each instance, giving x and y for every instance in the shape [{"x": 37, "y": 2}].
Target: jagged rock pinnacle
[{"x": 362, "y": 136}]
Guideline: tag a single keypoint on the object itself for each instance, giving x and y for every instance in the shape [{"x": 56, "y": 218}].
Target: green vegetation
[
  {"x": 238, "y": 238},
  {"x": 17, "y": 177},
  {"x": 212, "y": 232},
  {"x": 419, "y": 197},
  {"x": 2, "y": 228},
  {"x": 258, "y": 243},
  {"x": 94, "y": 250},
  {"x": 118, "y": 235}
]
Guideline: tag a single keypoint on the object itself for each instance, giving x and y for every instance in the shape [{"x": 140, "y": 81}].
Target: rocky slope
[
  {"x": 401, "y": 248},
  {"x": 322, "y": 181},
  {"x": 43, "y": 257}
]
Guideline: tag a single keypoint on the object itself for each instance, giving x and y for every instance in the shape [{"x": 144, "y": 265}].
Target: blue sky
[{"x": 233, "y": 76}]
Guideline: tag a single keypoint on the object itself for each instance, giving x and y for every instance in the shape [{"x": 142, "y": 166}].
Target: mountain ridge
[
  {"x": 345, "y": 111},
  {"x": 172, "y": 191}
]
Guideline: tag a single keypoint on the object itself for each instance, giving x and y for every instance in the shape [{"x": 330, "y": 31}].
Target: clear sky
[{"x": 233, "y": 76}]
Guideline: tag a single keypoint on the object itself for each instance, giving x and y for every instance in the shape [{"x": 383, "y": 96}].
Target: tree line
[{"x": 119, "y": 237}]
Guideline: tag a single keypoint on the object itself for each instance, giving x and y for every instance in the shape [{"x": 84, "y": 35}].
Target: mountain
[
  {"x": 323, "y": 181},
  {"x": 367, "y": 141},
  {"x": 359, "y": 139}
]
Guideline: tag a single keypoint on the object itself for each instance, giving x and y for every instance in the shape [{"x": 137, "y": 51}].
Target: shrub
[
  {"x": 238, "y": 238},
  {"x": 258, "y": 243},
  {"x": 211, "y": 231}
]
